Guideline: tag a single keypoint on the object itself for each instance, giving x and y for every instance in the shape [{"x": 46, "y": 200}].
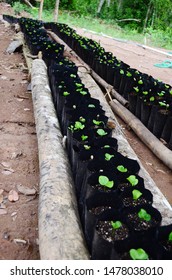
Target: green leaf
[
  {"x": 116, "y": 224},
  {"x": 106, "y": 146},
  {"x": 97, "y": 122},
  {"x": 140, "y": 82},
  {"x": 121, "y": 168},
  {"x": 83, "y": 120},
  {"x": 122, "y": 72},
  {"x": 91, "y": 106},
  {"x": 104, "y": 181},
  {"x": 86, "y": 147},
  {"x": 72, "y": 75},
  {"x": 101, "y": 132},
  {"x": 145, "y": 92},
  {"x": 161, "y": 93},
  {"x": 136, "y": 89},
  {"x": 152, "y": 98},
  {"x": 66, "y": 93},
  {"x": 136, "y": 194},
  {"x": 163, "y": 104},
  {"x": 108, "y": 156},
  {"x": 84, "y": 137},
  {"x": 79, "y": 125},
  {"x": 138, "y": 254},
  {"x": 78, "y": 85},
  {"x": 133, "y": 180},
  {"x": 170, "y": 237},
  {"x": 83, "y": 92},
  {"x": 128, "y": 74},
  {"x": 144, "y": 215}
]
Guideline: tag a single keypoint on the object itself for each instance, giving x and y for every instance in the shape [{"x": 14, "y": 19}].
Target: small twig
[
  {"x": 108, "y": 94},
  {"x": 34, "y": 197},
  {"x": 31, "y": 56},
  {"x": 22, "y": 97}
]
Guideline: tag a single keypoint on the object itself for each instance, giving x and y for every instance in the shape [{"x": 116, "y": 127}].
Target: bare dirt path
[
  {"x": 18, "y": 142},
  {"x": 18, "y": 156}
]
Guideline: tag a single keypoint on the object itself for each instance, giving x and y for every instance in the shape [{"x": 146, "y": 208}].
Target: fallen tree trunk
[
  {"x": 14, "y": 46},
  {"x": 152, "y": 142},
  {"x": 60, "y": 231}
]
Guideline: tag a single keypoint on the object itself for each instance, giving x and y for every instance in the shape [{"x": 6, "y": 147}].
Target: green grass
[{"x": 154, "y": 38}]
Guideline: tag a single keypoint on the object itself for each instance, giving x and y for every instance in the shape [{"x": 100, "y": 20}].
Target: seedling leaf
[
  {"x": 87, "y": 147},
  {"x": 97, "y": 122},
  {"x": 101, "y": 132},
  {"x": 116, "y": 224},
  {"x": 108, "y": 156},
  {"x": 104, "y": 181},
  {"x": 84, "y": 137},
  {"x": 133, "y": 180},
  {"x": 170, "y": 237},
  {"x": 66, "y": 93},
  {"x": 144, "y": 215},
  {"x": 138, "y": 254},
  {"x": 122, "y": 169},
  {"x": 136, "y": 194},
  {"x": 91, "y": 106},
  {"x": 79, "y": 125}
]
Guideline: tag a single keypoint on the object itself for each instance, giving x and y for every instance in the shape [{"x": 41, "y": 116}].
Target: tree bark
[
  {"x": 147, "y": 16},
  {"x": 56, "y": 11},
  {"x": 29, "y": 4},
  {"x": 100, "y": 6},
  {"x": 119, "y": 5},
  {"x": 108, "y": 3},
  {"x": 41, "y": 9}
]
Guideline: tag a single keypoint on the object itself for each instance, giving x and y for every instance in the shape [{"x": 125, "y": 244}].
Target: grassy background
[{"x": 153, "y": 38}]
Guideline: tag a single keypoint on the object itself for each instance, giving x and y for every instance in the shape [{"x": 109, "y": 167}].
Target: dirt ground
[
  {"x": 19, "y": 171},
  {"x": 18, "y": 157}
]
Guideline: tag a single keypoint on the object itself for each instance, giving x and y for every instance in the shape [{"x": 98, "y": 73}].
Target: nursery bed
[
  {"x": 48, "y": 249},
  {"x": 48, "y": 226}
]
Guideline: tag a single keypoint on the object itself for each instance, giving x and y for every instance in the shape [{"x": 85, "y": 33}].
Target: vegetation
[
  {"x": 104, "y": 181},
  {"x": 116, "y": 224},
  {"x": 138, "y": 254},
  {"x": 127, "y": 19}
]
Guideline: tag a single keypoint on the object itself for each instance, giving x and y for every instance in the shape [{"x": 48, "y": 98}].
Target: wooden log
[
  {"x": 152, "y": 142},
  {"x": 60, "y": 233},
  {"x": 14, "y": 46}
]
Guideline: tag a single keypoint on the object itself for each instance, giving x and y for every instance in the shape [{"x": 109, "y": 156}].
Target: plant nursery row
[
  {"x": 150, "y": 100},
  {"x": 116, "y": 210}
]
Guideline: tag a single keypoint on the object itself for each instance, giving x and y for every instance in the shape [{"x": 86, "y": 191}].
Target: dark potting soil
[
  {"x": 167, "y": 245},
  {"x": 100, "y": 209},
  {"x": 140, "y": 224},
  {"x": 107, "y": 232},
  {"x": 103, "y": 188},
  {"x": 123, "y": 186},
  {"x": 129, "y": 201}
]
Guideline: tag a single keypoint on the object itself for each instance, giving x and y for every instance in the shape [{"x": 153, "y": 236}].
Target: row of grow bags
[
  {"x": 115, "y": 208},
  {"x": 149, "y": 99}
]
